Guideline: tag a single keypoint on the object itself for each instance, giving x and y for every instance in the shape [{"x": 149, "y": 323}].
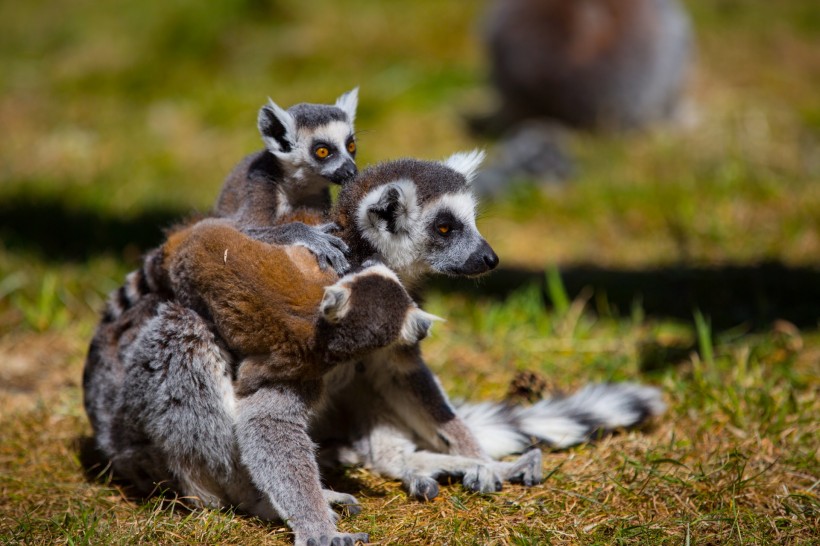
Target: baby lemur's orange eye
[
  {"x": 321, "y": 152},
  {"x": 444, "y": 229},
  {"x": 351, "y": 147}
]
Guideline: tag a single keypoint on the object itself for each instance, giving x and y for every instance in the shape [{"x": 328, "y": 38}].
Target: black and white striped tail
[
  {"x": 148, "y": 279},
  {"x": 504, "y": 429}
]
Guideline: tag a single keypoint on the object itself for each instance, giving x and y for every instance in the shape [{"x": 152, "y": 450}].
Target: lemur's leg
[
  {"x": 391, "y": 453},
  {"x": 272, "y": 425},
  {"x": 414, "y": 394},
  {"x": 175, "y": 412},
  {"x": 414, "y": 398}
]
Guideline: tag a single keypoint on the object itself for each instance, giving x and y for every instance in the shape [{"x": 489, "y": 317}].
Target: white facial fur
[
  {"x": 461, "y": 205},
  {"x": 335, "y": 132},
  {"x": 306, "y": 176},
  {"x": 405, "y": 250},
  {"x": 449, "y": 254}
]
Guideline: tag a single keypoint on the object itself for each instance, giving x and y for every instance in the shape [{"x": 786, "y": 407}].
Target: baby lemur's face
[
  {"x": 420, "y": 216},
  {"x": 315, "y": 142}
]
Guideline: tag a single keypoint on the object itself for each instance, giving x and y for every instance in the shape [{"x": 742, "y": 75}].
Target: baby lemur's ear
[
  {"x": 348, "y": 103},
  {"x": 417, "y": 325},
  {"x": 335, "y": 303},
  {"x": 466, "y": 163},
  {"x": 277, "y": 127},
  {"x": 393, "y": 207}
]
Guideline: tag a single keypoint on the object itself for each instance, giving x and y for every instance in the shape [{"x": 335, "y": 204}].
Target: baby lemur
[{"x": 262, "y": 300}]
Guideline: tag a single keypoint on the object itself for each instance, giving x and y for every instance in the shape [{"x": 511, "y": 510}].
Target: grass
[{"x": 685, "y": 258}]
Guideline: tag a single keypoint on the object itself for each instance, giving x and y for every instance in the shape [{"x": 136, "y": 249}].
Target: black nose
[
  {"x": 481, "y": 261},
  {"x": 344, "y": 173},
  {"x": 490, "y": 258}
]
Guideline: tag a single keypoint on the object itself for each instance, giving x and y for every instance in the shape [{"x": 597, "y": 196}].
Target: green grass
[{"x": 681, "y": 257}]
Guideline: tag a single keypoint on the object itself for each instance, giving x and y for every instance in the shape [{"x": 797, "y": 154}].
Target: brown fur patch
[{"x": 262, "y": 298}]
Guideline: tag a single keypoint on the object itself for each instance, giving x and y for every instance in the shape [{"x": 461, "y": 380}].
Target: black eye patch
[{"x": 446, "y": 223}]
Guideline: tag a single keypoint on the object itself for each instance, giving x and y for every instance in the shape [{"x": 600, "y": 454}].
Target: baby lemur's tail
[{"x": 503, "y": 429}]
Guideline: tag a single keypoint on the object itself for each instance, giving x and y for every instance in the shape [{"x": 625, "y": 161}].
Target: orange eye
[
  {"x": 351, "y": 147},
  {"x": 444, "y": 229},
  {"x": 321, "y": 152}
]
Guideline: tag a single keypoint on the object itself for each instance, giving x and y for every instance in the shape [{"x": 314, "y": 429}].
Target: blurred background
[
  {"x": 117, "y": 118},
  {"x": 669, "y": 232}
]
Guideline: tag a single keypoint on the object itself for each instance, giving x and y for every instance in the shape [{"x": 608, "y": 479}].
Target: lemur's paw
[
  {"x": 328, "y": 249},
  {"x": 423, "y": 488},
  {"x": 482, "y": 479},
  {"x": 527, "y": 469},
  {"x": 335, "y": 303},
  {"x": 417, "y": 325},
  {"x": 335, "y": 539},
  {"x": 342, "y": 500}
]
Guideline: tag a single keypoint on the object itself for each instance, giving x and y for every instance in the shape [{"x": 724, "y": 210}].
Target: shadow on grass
[
  {"x": 752, "y": 296},
  {"x": 749, "y": 295},
  {"x": 97, "y": 469},
  {"x": 50, "y": 228}
]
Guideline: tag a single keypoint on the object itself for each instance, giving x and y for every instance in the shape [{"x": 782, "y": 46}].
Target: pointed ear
[
  {"x": 277, "y": 127},
  {"x": 335, "y": 303},
  {"x": 348, "y": 103},
  {"x": 466, "y": 163},
  {"x": 417, "y": 325},
  {"x": 393, "y": 205}
]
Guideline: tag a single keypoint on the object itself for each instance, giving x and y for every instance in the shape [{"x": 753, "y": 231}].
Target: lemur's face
[
  {"x": 328, "y": 150},
  {"x": 315, "y": 142},
  {"x": 453, "y": 245},
  {"x": 423, "y": 218}
]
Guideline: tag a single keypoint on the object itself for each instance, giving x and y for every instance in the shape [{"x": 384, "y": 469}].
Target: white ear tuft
[
  {"x": 277, "y": 127},
  {"x": 417, "y": 325},
  {"x": 348, "y": 103},
  {"x": 335, "y": 303},
  {"x": 466, "y": 163}
]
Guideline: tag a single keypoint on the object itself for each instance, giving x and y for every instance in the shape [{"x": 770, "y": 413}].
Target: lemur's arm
[
  {"x": 328, "y": 249},
  {"x": 275, "y": 447}
]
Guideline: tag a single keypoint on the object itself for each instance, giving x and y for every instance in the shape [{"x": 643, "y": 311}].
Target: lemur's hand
[
  {"x": 344, "y": 501},
  {"x": 328, "y": 249},
  {"x": 482, "y": 478}
]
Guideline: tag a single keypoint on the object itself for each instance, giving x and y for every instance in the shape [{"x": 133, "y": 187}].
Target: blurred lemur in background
[{"x": 588, "y": 64}]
